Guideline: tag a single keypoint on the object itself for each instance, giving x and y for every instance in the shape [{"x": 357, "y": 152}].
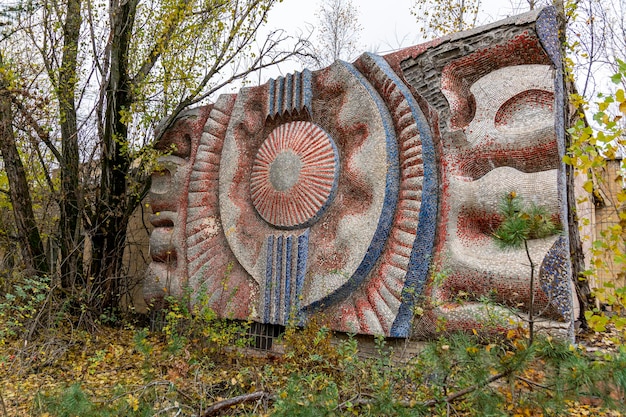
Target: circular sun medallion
[{"x": 294, "y": 175}]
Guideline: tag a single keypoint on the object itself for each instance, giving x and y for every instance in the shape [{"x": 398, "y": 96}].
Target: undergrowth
[{"x": 189, "y": 362}]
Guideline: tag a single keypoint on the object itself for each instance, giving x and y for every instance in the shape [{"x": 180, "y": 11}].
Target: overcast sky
[{"x": 387, "y": 25}]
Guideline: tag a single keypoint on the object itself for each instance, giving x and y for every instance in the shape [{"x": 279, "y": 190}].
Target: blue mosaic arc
[
  {"x": 290, "y": 94},
  {"x": 392, "y": 185},
  {"x": 547, "y": 30},
  {"x": 421, "y": 252},
  {"x": 554, "y": 273},
  {"x": 286, "y": 259},
  {"x": 547, "y": 27}
]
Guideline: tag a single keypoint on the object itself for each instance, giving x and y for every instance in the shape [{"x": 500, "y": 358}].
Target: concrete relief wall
[{"x": 345, "y": 191}]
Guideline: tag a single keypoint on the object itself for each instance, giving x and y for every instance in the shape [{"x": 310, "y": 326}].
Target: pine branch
[
  {"x": 447, "y": 399},
  {"x": 456, "y": 395}
]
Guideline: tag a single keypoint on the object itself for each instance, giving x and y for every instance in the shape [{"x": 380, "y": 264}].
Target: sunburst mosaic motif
[{"x": 294, "y": 175}]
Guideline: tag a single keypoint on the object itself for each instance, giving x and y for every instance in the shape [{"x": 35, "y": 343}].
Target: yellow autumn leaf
[
  {"x": 133, "y": 402},
  {"x": 472, "y": 350}
]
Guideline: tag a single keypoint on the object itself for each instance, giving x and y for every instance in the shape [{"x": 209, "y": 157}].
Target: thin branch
[
  {"x": 4, "y": 409},
  {"x": 258, "y": 64},
  {"x": 532, "y": 383},
  {"x": 160, "y": 45},
  {"x": 456, "y": 395},
  {"x": 445, "y": 400},
  {"x": 43, "y": 134},
  {"x": 589, "y": 67},
  {"x": 220, "y": 405},
  {"x": 93, "y": 39},
  {"x": 5, "y": 234}
]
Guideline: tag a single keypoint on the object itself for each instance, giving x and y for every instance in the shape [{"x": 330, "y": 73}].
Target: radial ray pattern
[{"x": 294, "y": 175}]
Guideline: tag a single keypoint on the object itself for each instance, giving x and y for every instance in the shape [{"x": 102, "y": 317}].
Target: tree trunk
[
  {"x": 531, "y": 307},
  {"x": 583, "y": 292},
  {"x": 31, "y": 246},
  {"x": 70, "y": 228},
  {"x": 114, "y": 205}
]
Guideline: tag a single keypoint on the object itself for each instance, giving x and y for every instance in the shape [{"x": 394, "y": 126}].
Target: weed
[
  {"x": 74, "y": 401},
  {"x": 19, "y": 308}
]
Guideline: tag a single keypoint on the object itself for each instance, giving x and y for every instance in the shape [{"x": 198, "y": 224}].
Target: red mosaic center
[{"x": 294, "y": 175}]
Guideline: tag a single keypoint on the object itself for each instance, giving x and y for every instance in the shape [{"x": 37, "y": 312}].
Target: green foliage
[
  {"x": 323, "y": 375},
  {"x": 591, "y": 146},
  {"x": 311, "y": 347},
  {"x": 455, "y": 374},
  {"x": 313, "y": 395},
  {"x": 519, "y": 225},
  {"x": 441, "y": 18},
  {"x": 522, "y": 224},
  {"x": 74, "y": 401},
  {"x": 186, "y": 320},
  {"x": 141, "y": 343},
  {"x": 70, "y": 402},
  {"x": 19, "y": 307}
]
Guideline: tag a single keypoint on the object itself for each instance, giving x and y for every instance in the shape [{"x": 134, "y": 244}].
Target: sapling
[{"x": 519, "y": 225}]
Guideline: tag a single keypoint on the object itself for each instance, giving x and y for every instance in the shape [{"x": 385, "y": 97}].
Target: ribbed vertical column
[
  {"x": 290, "y": 94},
  {"x": 284, "y": 276}
]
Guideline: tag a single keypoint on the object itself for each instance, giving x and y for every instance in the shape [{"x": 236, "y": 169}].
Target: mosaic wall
[{"x": 368, "y": 192}]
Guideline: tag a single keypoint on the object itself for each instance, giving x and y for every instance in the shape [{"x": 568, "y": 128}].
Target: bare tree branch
[
  {"x": 220, "y": 405},
  {"x": 257, "y": 64},
  {"x": 43, "y": 134}
]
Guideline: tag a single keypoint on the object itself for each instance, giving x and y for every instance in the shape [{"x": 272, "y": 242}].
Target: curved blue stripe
[
  {"x": 392, "y": 186},
  {"x": 421, "y": 253}
]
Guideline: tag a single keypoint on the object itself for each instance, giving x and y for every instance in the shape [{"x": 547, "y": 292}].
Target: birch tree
[{"x": 339, "y": 31}]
